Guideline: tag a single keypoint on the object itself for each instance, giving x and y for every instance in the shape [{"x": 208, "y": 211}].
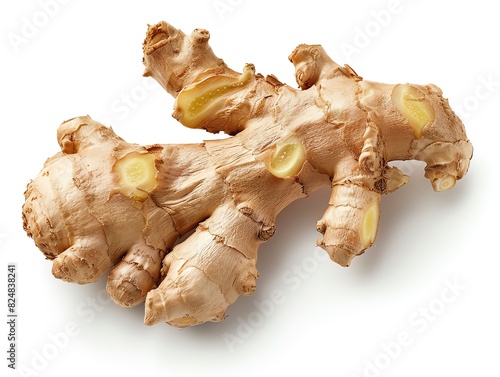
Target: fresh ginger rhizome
[{"x": 102, "y": 204}]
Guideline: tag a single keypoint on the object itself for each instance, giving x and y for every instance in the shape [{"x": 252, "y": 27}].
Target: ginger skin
[{"x": 103, "y": 203}]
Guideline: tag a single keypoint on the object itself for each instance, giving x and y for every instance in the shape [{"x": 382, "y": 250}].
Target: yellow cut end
[
  {"x": 136, "y": 175},
  {"x": 184, "y": 322},
  {"x": 201, "y": 100},
  {"x": 414, "y": 106},
  {"x": 287, "y": 159},
  {"x": 445, "y": 183},
  {"x": 369, "y": 224}
]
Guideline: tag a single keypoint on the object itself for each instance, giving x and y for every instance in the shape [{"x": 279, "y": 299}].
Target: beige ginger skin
[{"x": 103, "y": 204}]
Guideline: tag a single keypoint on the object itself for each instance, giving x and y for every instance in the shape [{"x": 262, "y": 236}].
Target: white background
[{"x": 392, "y": 313}]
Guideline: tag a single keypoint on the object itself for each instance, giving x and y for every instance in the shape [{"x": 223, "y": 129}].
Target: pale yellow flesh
[
  {"x": 198, "y": 102},
  {"x": 445, "y": 183},
  {"x": 369, "y": 224},
  {"x": 137, "y": 175},
  {"x": 414, "y": 106},
  {"x": 287, "y": 159}
]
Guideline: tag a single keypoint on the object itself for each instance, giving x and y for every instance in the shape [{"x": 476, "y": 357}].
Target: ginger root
[{"x": 103, "y": 204}]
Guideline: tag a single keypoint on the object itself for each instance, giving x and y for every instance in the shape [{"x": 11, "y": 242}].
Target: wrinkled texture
[{"x": 346, "y": 130}]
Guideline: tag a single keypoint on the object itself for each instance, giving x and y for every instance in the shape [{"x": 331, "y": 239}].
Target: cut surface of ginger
[
  {"x": 136, "y": 175},
  {"x": 198, "y": 102},
  {"x": 369, "y": 224},
  {"x": 287, "y": 159},
  {"x": 414, "y": 106}
]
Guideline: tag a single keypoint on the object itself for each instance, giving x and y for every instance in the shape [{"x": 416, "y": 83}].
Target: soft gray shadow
[
  {"x": 416, "y": 200},
  {"x": 295, "y": 239}
]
